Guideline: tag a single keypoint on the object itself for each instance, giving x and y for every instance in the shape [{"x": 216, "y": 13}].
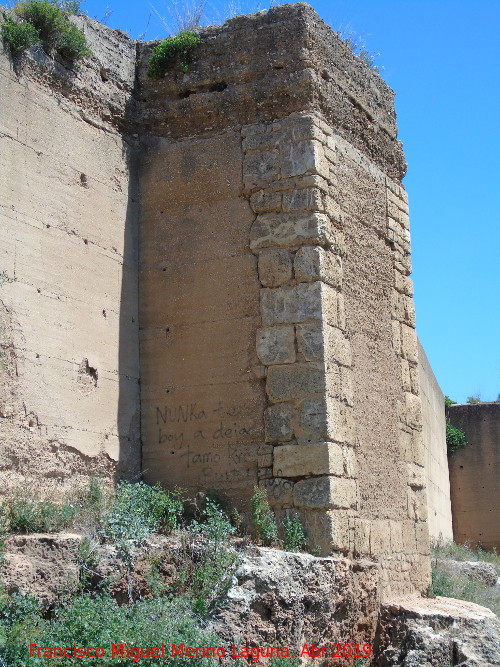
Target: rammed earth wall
[
  {"x": 277, "y": 339},
  {"x": 277, "y": 324},
  {"x": 69, "y": 368}
]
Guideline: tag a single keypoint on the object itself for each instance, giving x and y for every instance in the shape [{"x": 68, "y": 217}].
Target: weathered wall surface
[
  {"x": 68, "y": 259},
  {"x": 275, "y": 275},
  {"x": 277, "y": 331},
  {"x": 436, "y": 455},
  {"x": 474, "y": 479}
]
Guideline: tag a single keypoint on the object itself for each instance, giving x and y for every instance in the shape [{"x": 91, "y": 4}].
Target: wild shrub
[
  {"x": 455, "y": 438},
  {"x": 264, "y": 523},
  {"x": 209, "y": 561},
  {"x": 19, "y": 35},
  {"x": 294, "y": 537},
  {"x": 138, "y": 510},
  {"x": 46, "y": 22},
  {"x": 38, "y": 516},
  {"x": 179, "y": 48}
]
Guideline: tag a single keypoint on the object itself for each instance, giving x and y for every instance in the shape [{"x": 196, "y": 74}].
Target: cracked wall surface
[{"x": 68, "y": 254}]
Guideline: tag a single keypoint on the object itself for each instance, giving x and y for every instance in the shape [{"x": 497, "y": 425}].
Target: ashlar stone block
[
  {"x": 260, "y": 168},
  {"x": 325, "y": 418},
  {"x": 304, "y": 199},
  {"x": 288, "y": 230},
  {"x": 326, "y": 492},
  {"x": 279, "y": 422},
  {"x": 275, "y": 267},
  {"x": 318, "y": 458},
  {"x": 294, "y": 381},
  {"x": 301, "y": 157},
  {"x": 311, "y": 341},
  {"x": 330, "y": 530},
  {"x": 276, "y": 345},
  {"x": 265, "y": 201},
  {"x": 315, "y": 263},
  {"x": 289, "y": 305}
]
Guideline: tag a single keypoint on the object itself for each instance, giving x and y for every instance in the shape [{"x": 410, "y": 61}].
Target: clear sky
[{"x": 442, "y": 59}]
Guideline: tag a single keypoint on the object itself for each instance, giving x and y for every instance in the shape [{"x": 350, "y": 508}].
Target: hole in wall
[
  {"x": 104, "y": 313},
  {"x": 185, "y": 94},
  {"x": 87, "y": 376},
  {"x": 86, "y": 241},
  {"x": 84, "y": 181},
  {"x": 104, "y": 74},
  {"x": 218, "y": 87}
]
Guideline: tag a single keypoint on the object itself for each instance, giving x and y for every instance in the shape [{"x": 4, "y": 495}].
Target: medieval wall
[
  {"x": 474, "y": 480},
  {"x": 277, "y": 324},
  {"x": 277, "y": 334},
  {"x": 436, "y": 455},
  {"x": 68, "y": 264}
]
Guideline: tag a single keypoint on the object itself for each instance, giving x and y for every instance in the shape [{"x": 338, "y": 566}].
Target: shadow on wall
[{"x": 128, "y": 415}]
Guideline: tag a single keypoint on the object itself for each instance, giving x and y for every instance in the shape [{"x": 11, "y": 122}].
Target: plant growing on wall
[
  {"x": 455, "y": 438},
  {"x": 46, "y": 22},
  {"x": 181, "y": 48}
]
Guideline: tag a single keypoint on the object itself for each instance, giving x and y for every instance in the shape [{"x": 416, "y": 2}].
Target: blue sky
[{"x": 441, "y": 57}]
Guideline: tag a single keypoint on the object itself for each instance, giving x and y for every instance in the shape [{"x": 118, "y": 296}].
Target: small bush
[
  {"x": 39, "y": 516},
  {"x": 209, "y": 559},
  {"x": 455, "y": 438},
  {"x": 46, "y": 21},
  {"x": 266, "y": 530},
  {"x": 294, "y": 537},
  {"x": 71, "y": 44},
  {"x": 449, "y": 401},
  {"x": 138, "y": 510},
  {"x": 19, "y": 35},
  {"x": 181, "y": 48}
]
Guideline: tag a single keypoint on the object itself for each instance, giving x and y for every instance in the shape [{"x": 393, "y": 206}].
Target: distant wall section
[
  {"x": 436, "y": 457},
  {"x": 474, "y": 478}
]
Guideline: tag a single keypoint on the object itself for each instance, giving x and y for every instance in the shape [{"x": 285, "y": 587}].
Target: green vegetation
[
  {"x": 458, "y": 585},
  {"x": 209, "y": 561},
  {"x": 204, "y": 564},
  {"x": 463, "y": 552},
  {"x": 173, "y": 49},
  {"x": 39, "y": 516},
  {"x": 294, "y": 537},
  {"x": 46, "y": 22},
  {"x": 138, "y": 510},
  {"x": 100, "y": 622},
  {"x": 264, "y": 523},
  {"x": 19, "y": 35},
  {"x": 448, "y": 401},
  {"x": 455, "y": 438}
]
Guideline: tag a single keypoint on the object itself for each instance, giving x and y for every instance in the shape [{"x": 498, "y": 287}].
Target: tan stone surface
[
  {"x": 436, "y": 457},
  {"x": 474, "y": 479},
  {"x": 202, "y": 410},
  {"x": 68, "y": 247}
]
